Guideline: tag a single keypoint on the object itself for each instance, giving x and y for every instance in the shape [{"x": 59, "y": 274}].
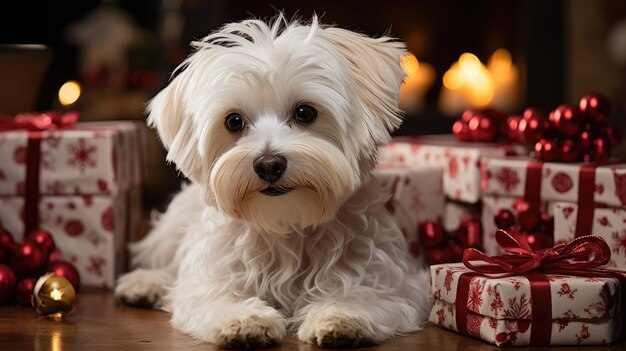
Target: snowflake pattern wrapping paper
[
  {"x": 608, "y": 223},
  {"x": 585, "y": 310},
  {"x": 546, "y": 181},
  {"x": 459, "y": 160},
  {"x": 416, "y": 196},
  {"x": 88, "y": 194}
]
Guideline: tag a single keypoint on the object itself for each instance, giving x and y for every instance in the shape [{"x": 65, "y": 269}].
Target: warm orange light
[
  {"x": 469, "y": 83},
  {"x": 69, "y": 92},
  {"x": 419, "y": 77}
]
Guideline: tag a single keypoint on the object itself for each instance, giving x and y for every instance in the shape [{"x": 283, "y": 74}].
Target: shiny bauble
[{"x": 595, "y": 107}]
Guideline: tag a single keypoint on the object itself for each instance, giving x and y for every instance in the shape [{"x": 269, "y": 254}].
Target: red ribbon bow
[
  {"x": 38, "y": 121},
  {"x": 575, "y": 258}
]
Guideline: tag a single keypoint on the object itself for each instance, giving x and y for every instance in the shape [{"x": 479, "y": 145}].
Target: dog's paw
[
  {"x": 336, "y": 331},
  {"x": 143, "y": 288},
  {"x": 252, "y": 332}
]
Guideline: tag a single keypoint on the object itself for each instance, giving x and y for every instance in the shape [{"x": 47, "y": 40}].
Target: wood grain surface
[{"x": 99, "y": 322}]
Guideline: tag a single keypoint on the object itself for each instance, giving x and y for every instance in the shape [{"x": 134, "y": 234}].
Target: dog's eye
[
  {"x": 305, "y": 114},
  {"x": 234, "y": 122}
]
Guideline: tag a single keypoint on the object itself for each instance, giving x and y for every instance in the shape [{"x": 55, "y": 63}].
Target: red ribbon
[
  {"x": 35, "y": 123},
  {"x": 580, "y": 257}
]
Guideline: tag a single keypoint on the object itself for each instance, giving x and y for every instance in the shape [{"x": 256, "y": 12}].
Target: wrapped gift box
[
  {"x": 459, "y": 160},
  {"x": 80, "y": 183},
  {"x": 584, "y": 310},
  {"x": 415, "y": 196},
  {"x": 569, "y": 182},
  {"x": 608, "y": 223}
]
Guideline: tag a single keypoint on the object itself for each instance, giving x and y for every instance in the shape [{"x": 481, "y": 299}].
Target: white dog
[{"x": 283, "y": 229}]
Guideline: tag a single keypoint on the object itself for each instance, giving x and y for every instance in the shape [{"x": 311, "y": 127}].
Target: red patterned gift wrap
[
  {"x": 606, "y": 222},
  {"x": 557, "y": 296},
  {"x": 583, "y": 183},
  {"x": 80, "y": 182},
  {"x": 459, "y": 160},
  {"x": 416, "y": 196}
]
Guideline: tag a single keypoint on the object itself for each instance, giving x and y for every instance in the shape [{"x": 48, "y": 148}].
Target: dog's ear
[
  {"x": 375, "y": 67},
  {"x": 167, "y": 114}
]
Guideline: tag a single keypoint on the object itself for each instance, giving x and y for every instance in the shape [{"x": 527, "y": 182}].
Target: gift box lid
[
  {"x": 510, "y": 298},
  {"x": 88, "y": 159},
  {"x": 518, "y": 176}
]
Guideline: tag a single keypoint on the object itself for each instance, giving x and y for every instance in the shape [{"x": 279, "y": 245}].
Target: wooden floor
[{"x": 99, "y": 322}]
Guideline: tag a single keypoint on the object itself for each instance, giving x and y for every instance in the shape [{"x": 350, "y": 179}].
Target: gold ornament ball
[{"x": 53, "y": 296}]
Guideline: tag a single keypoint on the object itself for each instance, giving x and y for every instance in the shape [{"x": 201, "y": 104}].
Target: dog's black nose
[{"x": 270, "y": 167}]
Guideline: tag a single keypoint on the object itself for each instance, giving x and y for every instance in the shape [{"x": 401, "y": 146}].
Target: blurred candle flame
[
  {"x": 470, "y": 84},
  {"x": 419, "y": 77}
]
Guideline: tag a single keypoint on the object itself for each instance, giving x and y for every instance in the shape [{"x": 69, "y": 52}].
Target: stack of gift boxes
[
  {"x": 80, "y": 182},
  {"x": 547, "y": 180}
]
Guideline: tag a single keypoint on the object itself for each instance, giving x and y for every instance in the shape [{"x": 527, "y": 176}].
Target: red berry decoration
[
  {"x": 28, "y": 258},
  {"x": 569, "y": 151},
  {"x": 504, "y": 219},
  {"x": 67, "y": 271},
  {"x": 25, "y": 291},
  {"x": 567, "y": 120},
  {"x": 6, "y": 245},
  {"x": 461, "y": 131},
  {"x": 42, "y": 238},
  {"x": 470, "y": 234},
  {"x": 8, "y": 283},
  {"x": 439, "y": 255},
  {"x": 532, "y": 126},
  {"x": 431, "y": 234},
  {"x": 595, "y": 107},
  {"x": 547, "y": 150},
  {"x": 483, "y": 128}
]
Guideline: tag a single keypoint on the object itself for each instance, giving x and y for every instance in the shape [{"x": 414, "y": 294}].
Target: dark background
[{"x": 560, "y": 48}]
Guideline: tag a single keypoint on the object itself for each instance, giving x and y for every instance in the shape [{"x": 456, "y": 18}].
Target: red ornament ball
[
  {"x": 42, "y": 238},
  {"x": 600, "y": 151},
  {"x": 470, "y": 234},
  {"x": 25, "y": 291},
  {"x": 504, "y": 219},
  {"x": 55, "y": 256},
  {"x": 461, "y": 131},
  {"x": 6, "y": 245},
  {"x": 8, "y": 284},
  {"x": 595, "y": 107},
  {"x": 538, "y": 240},
  {"x": 483, "y": 128},
  {"x": 613, "y": 135},
  {"x": 528, "y": 216},
  {"x": 547, "y": 150},
  {"x": 567, "y": 120},
  {"x": 437, "y": 255},
  {"x": 28, "y": 258},
  {"x": 431, "y": 234},
  {"x": 511, "y": 132},
  {"x": 457, "y": 252},
  {"x": 468, "y": 114},
  {"x": 67, "y": 271},
  {"x": 569, "y": 151},
  {"x": 586, "y": 140},
  {"x": 532, "y": 126}
]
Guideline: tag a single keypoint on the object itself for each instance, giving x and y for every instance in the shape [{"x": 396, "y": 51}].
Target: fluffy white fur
[{"x": 325, "y": 260}]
